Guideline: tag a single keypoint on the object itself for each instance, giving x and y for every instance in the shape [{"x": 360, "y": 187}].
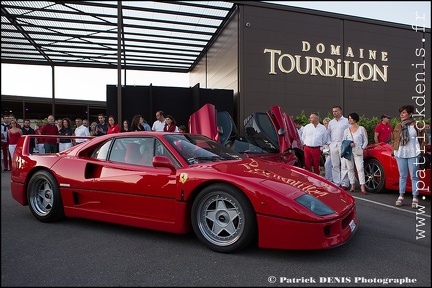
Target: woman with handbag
[
  {"x": 408, "y": 141},
  {"x": 358, "y": 135}
]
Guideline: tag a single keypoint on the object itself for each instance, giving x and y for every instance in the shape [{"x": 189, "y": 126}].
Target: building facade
[
  {"x": 302, "y": 60},
  {"x": 39, "y": 108},
  {"x": 309, "y": 61}
]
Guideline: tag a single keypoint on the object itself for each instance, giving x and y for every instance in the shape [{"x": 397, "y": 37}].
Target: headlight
[{"x": 314, "y": 205}]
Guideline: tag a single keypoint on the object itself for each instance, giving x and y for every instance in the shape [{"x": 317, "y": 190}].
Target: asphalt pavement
[{"x": 392, "y": 247}]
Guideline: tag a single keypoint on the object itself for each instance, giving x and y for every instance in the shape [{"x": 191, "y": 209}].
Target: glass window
[
  {"x": 139, "y": 151},
  {"x": 102, "y": 151}
]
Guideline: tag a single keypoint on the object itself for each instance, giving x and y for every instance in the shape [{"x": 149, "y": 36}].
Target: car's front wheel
[
  {"x": 374, "y": 176},
  {"x": 43, "y": 196},
  {"x": 223, "y": 219}
]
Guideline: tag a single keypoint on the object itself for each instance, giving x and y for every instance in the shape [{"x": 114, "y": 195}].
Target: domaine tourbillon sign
[{"x": 359, "y": 64}]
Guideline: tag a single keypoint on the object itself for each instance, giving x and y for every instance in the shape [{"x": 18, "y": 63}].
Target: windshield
[{"x": 200, "y": 149}]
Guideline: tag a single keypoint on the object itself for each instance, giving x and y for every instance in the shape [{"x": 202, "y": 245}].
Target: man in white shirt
[
  {"x": 326, "y": 152},
  {"x": 80, "y": 130},
  {"x": 335, "y": 131},
  {"x": 314, "y": 136},
  {"x": 159, "y": 124}
]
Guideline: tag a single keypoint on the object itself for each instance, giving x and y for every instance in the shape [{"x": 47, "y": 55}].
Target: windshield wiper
[{"x": 209, "y": 158}]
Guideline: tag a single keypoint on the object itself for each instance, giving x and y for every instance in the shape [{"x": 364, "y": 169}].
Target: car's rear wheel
[
  {"x": 43, "y": 196},
  {"x": 374, "y": 176},
  {"x": 223, "y": 219}
]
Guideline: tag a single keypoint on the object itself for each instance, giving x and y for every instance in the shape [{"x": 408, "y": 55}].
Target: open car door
[
  {"x": 271, "y": 135},
  {"x": 273, "y": 127},
  {"x": 274, "y": 132},
  {"x": 204, "y": 122},
  {"x": 288, "y": 135}
]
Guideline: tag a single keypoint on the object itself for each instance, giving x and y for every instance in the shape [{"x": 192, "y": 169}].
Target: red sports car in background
[
  {"x": 381, "y": 170},
  {"x": 179, "y": 183},
  {"x": 269, "y": 135}
]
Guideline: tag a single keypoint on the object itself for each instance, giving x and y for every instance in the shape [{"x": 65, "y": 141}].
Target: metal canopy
[{"x": 169, "y": 36}]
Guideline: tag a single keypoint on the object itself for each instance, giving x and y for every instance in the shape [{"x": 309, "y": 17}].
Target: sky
[{"x": 90, "y": 83}]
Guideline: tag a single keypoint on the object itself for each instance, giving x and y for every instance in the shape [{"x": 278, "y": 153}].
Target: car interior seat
[
  {"x": 133, "y": 154},
  {"x": 147, "y": 153},
  {"x": 118, "y": 155}
]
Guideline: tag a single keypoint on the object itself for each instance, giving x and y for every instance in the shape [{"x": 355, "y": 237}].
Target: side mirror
[{"x": 163, "y": 161}]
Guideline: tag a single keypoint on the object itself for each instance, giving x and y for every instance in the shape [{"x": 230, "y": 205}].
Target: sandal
[
  {"x": 352, "y": 188},
  {"x": 399, "y": 201},
  {"x": 414, "y": 203}
]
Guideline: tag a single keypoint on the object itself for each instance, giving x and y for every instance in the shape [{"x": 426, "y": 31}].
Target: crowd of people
[
  {"x": 341, "y": 140},
  {"x": 12, "y": 131}
]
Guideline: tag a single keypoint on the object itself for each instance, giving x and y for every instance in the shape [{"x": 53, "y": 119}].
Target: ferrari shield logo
[{"x": 183, "y": 177}]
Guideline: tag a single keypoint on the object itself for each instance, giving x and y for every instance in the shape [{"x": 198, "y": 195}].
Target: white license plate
[{"x": 352, "y": 225}]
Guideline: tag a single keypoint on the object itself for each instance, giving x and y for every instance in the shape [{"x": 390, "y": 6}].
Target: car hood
[{"x": 286, "y": 181}]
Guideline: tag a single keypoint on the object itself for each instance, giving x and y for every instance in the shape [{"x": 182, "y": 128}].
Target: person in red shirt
[
  {"x": 14, "y": 134},
  {"x": 170, "y": 124},
  {"x": 51, "y": 144},
  {"x": 112, "y": 126},
  {"x": 383, "y": 129}
]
